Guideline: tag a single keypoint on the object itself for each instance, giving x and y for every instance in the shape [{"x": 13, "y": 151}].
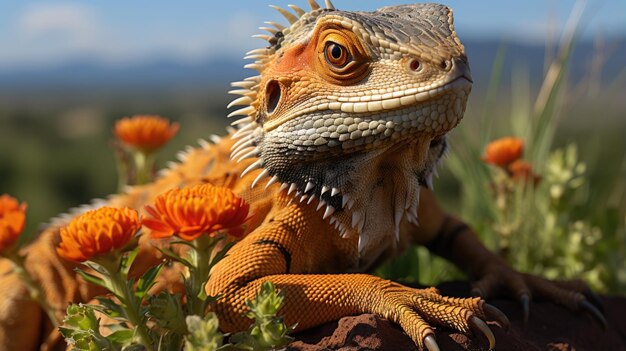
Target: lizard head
[{"x": 352, "y": 109}]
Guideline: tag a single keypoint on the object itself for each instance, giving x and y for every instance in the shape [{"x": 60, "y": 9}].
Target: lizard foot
[
  {"x": 574, "y": 295},
  {"x": 418, "y": 311}
]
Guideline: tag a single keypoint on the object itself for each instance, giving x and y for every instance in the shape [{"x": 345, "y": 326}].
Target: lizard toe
[
  {"x": 416, "y": 310},
  {"x": 574, "y": 295},
  {"x": 581, "y": 287},
  {"x": 590, "y": 309}
]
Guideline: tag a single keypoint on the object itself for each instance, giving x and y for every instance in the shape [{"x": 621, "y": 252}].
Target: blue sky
[{"x": 42, "y": 33}]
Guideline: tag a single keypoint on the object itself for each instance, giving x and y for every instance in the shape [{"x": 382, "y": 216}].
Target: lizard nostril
[
  {"x": 446, "y": 65},
  {"x": 272, "y": 96}
]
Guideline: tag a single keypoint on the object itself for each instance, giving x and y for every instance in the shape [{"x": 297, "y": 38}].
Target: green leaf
[
  {"x": 243, "y": 341},
  {"x": 204, "y": 334},
  {"x": 211, "y": 299},
  {"x": 109, "y": 307},
  {"x": 266, "y": 303},
  {"x": 80, "y": 317},
  {"x": 147, "y": 280},
  {"x": 121, "y": 337},
  {"x": 81, "y": 329},
  {"x": 167, "y": 312},
  {"x": 184, "y": 242},
  {"x": 174, "y": 256},
  {"x": 127, "y": 260},
  {"x": 91, "y": 278},
  {"x": 96, "y": 267},
  {"x": 268, "y": 330}
]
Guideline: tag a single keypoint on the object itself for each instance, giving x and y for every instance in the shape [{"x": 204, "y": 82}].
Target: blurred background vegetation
[{"x": 56, "y": 121}]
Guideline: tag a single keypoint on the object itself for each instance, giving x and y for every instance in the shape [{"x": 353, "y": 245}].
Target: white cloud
[
  {"x": 242, "y": 25},
  {"x": 44, "y": 33},
  {"x": 40, "y": 18},
  {"x": 231, "y": 35},
  {"x": 72, "y": 22},
  {"x": 48, "y": 34}
]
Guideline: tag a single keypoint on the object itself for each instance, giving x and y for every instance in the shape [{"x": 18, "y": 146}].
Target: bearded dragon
[{"x": 342, "y": 130}]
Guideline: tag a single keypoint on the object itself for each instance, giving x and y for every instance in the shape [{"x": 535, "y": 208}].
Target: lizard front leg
[
  {"x": 451, "y": 238},
  {"x": 289, "y": 254}
]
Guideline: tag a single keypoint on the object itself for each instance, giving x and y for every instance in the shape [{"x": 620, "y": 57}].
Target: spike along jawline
[
  {"x": 244, "y": 120},
  {"x": 241, "y": 145},
  {"x": 278, "y": 26},
  {"x": 246, "y": 147},
  {"x": 264, "y": 174},
  {"x": 249, "y": 86},
  {"x": 252, "y": 153},
  {"x": 241, "y": 101},
  {"x": 245, "y": 130},
  {"x": 272, "y": 31},
  {"x": 256, "y": 165},
  {"x": 237, "y": 154}
]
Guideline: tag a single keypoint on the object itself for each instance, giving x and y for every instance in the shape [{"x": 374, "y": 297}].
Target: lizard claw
[
  {"x": 588, "y": 307},
  {"x": 595, "y": 300},
  {"x": 476, "y": 323},
  {"x": 430, "y": 343},
  {"x": 493, "y": 313},
  {"x": 524, "y": 299}
]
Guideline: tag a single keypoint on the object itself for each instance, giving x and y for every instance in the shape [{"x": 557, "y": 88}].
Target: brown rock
[{"x": 550, "y": 328}]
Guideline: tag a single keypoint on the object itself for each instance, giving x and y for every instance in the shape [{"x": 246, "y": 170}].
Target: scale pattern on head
[{"x": 340, "y": 89}]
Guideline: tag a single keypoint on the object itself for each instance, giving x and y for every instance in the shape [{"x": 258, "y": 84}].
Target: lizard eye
[{"x": 336, "y": 54}]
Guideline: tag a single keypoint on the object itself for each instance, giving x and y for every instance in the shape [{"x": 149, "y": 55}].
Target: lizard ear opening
[{"x": 272, "y": 96}]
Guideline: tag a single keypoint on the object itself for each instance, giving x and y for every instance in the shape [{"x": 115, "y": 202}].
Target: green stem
[
  {"x": 33, "y": 288},
  {"x": 200, "y": 259},
  {"x": 123, "y": 175},
  {"x": 129, "y": 302},
  {"x": 144, "y": 162}
]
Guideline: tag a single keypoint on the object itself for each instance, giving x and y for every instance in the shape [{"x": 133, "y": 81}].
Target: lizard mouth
[
  {"x": 459, "y": 80},
  {"x": 399, "y": 99},
  {"x": 371, "y": 105}
]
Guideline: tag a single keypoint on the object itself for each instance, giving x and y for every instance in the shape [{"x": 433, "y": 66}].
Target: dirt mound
[{"x": 550, "y": 327}]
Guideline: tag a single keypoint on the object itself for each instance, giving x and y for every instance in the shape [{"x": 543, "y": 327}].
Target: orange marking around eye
[
  {"x": 297, "y": 58},
  {"x": 307, "y": 62}
]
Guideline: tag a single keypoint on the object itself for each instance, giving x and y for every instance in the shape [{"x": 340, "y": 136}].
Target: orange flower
[
  {"x": 145, "y": 132},
  {"x": 97, "y": 232},
  {"x": 502, "y": 152},
  {"x": 522, "y": 171},
  {"x": 12, "y": 219},
  {"x": 190, "y": 212}
]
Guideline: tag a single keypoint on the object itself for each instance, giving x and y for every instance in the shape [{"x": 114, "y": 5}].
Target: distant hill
[
  {"x": 168, "y": 73},
  {"x": 87, "y": 73},
  {"x": 532, "y": 57}
]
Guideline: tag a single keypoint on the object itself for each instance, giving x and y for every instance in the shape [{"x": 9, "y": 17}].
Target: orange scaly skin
[{"x": 305, "y": 129}]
